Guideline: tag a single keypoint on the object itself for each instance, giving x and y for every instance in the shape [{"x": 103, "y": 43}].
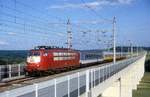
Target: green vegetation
[
  {"x": 147, "y": 62},
  {"x": 12, "y": 56},
  {"x": 143, "y": 89}
]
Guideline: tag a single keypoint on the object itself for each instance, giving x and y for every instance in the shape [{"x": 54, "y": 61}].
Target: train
[{"x": 47, "y": 58}]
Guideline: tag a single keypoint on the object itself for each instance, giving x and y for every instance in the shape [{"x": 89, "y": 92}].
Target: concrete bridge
[{"x": 104, "y": 80}]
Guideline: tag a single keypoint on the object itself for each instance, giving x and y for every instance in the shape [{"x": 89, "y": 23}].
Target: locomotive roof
[
  {"x": 50, "y": 48},
  {"x": 61, "y": 48},
  {"x": 45, "y": 47}
]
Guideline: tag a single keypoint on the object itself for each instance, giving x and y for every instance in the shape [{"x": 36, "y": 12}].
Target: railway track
[{"x": 16, "y": 82}]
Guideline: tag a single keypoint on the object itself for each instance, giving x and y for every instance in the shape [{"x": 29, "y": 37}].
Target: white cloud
[
  {"x": 12, "y": 33},
  {"x": 94, "y": 4},
  {"x": 60, "y": 34},
  {"x": 71, "y": 5},
  {"x": 125, "y": 1},
  {"x": 3, "y": 42}
]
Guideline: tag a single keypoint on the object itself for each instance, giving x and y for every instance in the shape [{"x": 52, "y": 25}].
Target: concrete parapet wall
[{"x": 127, "y": 81}]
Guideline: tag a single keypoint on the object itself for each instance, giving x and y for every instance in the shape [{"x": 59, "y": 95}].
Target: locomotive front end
[{"x": 33, "y": 61}]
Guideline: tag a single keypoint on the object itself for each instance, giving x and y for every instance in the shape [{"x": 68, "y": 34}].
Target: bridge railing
[
  {"x": 13, "y": 71},
  {"x": 71, "y": 85}
]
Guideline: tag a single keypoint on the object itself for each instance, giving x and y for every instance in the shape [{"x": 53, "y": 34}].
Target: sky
[{"x": 28, "y": 23}]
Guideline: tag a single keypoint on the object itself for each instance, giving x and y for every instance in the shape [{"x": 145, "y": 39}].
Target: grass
[
  {"x": 143, "y": 89},
  {"x": 147, "y": 62},
  {"x": 148, "y": 55}
]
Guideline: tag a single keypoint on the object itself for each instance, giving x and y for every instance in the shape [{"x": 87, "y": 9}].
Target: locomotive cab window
[
  {"x": 34, "y": 57},
  {"x": 34, "y": 54}
]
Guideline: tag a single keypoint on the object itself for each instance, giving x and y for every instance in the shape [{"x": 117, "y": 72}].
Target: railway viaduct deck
[{"x": 107, "y": 80}]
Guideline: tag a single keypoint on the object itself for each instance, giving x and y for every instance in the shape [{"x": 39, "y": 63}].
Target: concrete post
[
  {"x": 9, "y": 71},
  {"x": 19, "y": 70},
  {"x": 87, "y": 83},
  {"x": 36, "y": 90},
  {"x": 68, "y": 86},
  {"x": 55, "y": 83},
  {"x": 78, "y": 84}
]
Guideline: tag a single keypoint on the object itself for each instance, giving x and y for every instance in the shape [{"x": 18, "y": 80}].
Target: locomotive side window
[
  {"x": 58, "y": 56},
  {"x": 55, "y": 54},
  {"x": 65, "y": 54}
]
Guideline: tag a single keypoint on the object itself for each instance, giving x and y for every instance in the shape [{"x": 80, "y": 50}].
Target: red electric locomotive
[{"x": 45, "y": 58}]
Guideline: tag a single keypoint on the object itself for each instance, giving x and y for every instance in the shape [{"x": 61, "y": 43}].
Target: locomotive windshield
[{"x": 34, "y": 54}]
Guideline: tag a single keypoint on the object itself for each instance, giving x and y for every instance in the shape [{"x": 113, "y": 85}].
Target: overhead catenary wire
[
  {"x": 94, "y": 12},
  {"x": 98, "y": 15},
  {"x": 28, "y": 25},
  {"x": 62, "y": 21},
  {"x": 38, "y": 10},
  {"x": 24, "y": 26},
  {"x": 21, "y": 18},
  {"x": 34, "y": 18}
]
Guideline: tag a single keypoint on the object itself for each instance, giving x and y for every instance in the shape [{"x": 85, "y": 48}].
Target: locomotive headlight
[
  {"x": 37, "y": 59},
  {"x": 33, "y": 59},
  {"x": 28, "y": 59}
]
